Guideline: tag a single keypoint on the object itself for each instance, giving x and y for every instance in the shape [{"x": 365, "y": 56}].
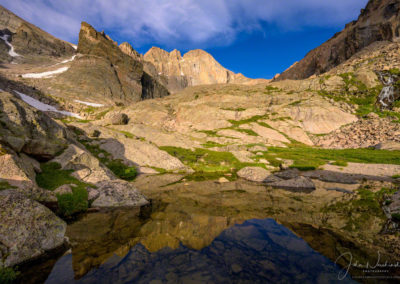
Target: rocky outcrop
[
  {"x": 196, "y": 67},
  {"x": 362, "y": 134},
  {"x": 27, "y": 229},
  {"x": 128, "y": 50},
  {"x": 27, "y": 130},
  {"x": 86, "y": 167},
  {"x": 118, "y": 193},
  {"x": 379, "y": 21}
]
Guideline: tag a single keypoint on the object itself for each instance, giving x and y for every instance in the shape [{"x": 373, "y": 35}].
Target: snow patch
[
  {"x": 11, "y": 52},
  {"x": 47, "y": 74},
  {"x": 68, "y": 60},
  {"x": 89, "y": 104},
  {"x": 42, "y": 106},
  {"x": 74, "y": 46}
]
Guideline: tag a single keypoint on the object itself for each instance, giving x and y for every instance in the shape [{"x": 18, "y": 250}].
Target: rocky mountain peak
[
  {"x": 128, "y": 49},
  {"x": 196, "y": 67},
  {"x": 379, "y": 21}
]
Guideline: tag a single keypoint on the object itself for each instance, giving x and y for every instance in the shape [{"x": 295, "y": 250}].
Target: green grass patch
[
  {"x": 246, "y": 131},
  {"x": 211, "y": 133},
  {"x": 89, "y": 109},
  {"x": 271, "y": 89},
  {"x": 396, "y": 176},
  {"x": 8, "y": 275},
  {"x": 208, "y": 164},
  {"x": 211, "y": 144},
  {"x": 234, "y": 109},
  {"x": 295, "y": 103},
  {"x": 115, "y": 165},
  {"x": 5, "y": 185},
  {"x": 52, "y": 177},
  {"x": 255, "y": 118},
  {"x": 305, "y": 157}
]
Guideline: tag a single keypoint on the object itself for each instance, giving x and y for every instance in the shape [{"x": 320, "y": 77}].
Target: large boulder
[
  {"x": 27, "y": 130},
  {"x": 118, "y": 193},
  {"x": 142, "y": 153},
  {"x": 116, "y": 118},
  {"x": 87, "y": 167},
  {"x": 27, "y": 229},
  {"x": 256, "y": 174}
]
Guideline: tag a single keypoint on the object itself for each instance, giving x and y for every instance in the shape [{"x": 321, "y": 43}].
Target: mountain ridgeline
[{"x": 379, "y": 21}]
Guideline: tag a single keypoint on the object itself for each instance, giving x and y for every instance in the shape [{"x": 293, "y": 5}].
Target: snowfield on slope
[
  {"x": 42, "y": 106},
  {"x": 89, "y": 104},
  {"x": 47, "y": 74}
]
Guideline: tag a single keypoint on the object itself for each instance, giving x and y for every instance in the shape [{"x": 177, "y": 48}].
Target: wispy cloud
[{"x": 182, "y": 23}]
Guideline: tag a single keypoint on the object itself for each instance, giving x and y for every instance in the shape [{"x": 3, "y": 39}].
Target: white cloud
[{"x": 181, "y": 23}]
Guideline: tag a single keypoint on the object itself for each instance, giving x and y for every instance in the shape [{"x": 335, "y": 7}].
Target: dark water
[{"x": 257, "y": 251}]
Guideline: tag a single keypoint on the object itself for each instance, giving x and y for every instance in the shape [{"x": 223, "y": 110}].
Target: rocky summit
[
  {"x": 379, "y": 21},
  {"x": 105, "y": 152},
  {"x": 195, "y": 67}
]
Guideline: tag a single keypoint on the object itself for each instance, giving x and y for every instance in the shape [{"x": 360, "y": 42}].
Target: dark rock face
[
  {"x": 379, "y": 21},
  {"x": 128, "y": 71},
  {"x": 27, "y": 130},
  {"x": 152, "y": 88},
  {"x": 28, "y": 39}
]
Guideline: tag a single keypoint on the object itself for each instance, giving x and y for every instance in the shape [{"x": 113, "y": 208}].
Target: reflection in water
[{"x": 256, "y": 251}]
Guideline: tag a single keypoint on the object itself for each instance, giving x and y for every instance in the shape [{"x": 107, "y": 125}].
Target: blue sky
[{"x": 258, "y": 38}]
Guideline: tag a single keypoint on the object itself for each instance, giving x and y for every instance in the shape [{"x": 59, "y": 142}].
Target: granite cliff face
[
  {"x": 379, "y": 21},
  {"x": 196, "y": 67},
  {"x": 107, "y": 73}
]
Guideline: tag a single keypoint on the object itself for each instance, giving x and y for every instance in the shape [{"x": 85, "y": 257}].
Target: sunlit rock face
[{"x": 196, "y": 67}]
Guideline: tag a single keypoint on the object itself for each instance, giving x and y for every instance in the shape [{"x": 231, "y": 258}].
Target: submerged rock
[
  {"x": 298, "y": 183},
  {"x": 27, "y": 229},
  {"x": 256, "y": 174},
  {"x": 118, "y": 193}
]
